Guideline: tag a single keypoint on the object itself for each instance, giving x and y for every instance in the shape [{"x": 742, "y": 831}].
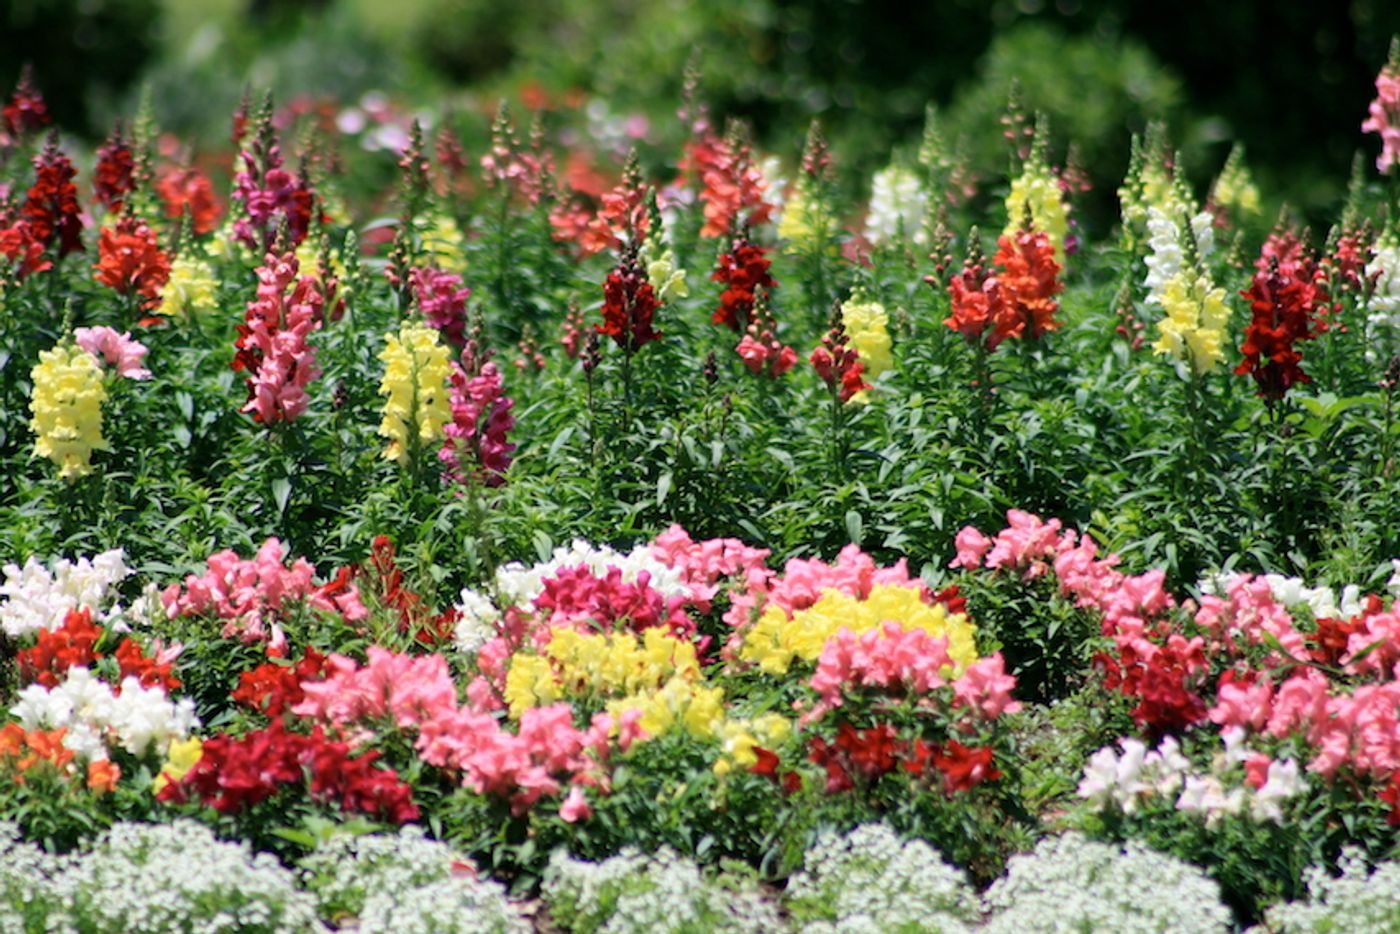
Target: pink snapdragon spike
[
  {"x": 269, "y": 194},
  {"x": 703, "y": 563},
  {"x": 249, "y": 594},
  {"x": 442, "y": 298},
  {"x": 272, "y": 341},
  {"x": 888, "y": 657},
  {"x": 477, "y": 449},
  {"x": 1384, "y": 117},
  {"x": 115, "y": 350}
]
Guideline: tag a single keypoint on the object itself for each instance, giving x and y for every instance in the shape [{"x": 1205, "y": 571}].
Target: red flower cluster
[
  {"x": 1287, "y": 305},
  {"x": 272, "y": 341},
  {"x": 130, "y": 260},
  {"x": 743, "y": 270},
  {"x": 767, "y": 766},
  {"x": 1016, "y": 302},
  {"x": 189, "y": 188},
  {"x": 1162, "y": 681},
  {"x": 273, "y": 688},
  {"x": 71, "y": 645},
  {"x": 150, "y": 671},
  {"x": 51, "y": 206},
  {"x": 730, "y": 185},
  {"x": 234, "y": 774},
  {"x": 839, "y": 365},
  {"x": 26, "y": 110},
  {"x": 629, "y": 306},
  {"x": 112, "y": 179},
  {"x": 416, "y": 617},
  {"x": 21, "y": 252},
  {"x": 877, "y": 751}
]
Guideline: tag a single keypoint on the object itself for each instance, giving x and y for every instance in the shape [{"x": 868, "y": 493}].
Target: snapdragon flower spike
[
  {"x": 1029, "y": 282},
  {"x": 442, "y": 299},
  {"x": 629, "y": 305},
  {"x": 476, "y": 447},
  {"x": 839, "y": 366},
  {"x": 1383, "y": 115},
  {"x": 21, "y": 253},
  {"x": 131, "y": 262},
  {"x": 26, "y": 110},
  {"x": 51, "y": 206},
  {"x": 268, "y": 193},
  {"x": 760, "y": 348},
  {"x": 731, "y": 187},
  {"x": 272, "y": 341},
  {"x": 1287, "y": 304},
  {"x": 743, "y": 271},
  {"x": 524, "y": 173},
  {"x": 188, "y": 188}
]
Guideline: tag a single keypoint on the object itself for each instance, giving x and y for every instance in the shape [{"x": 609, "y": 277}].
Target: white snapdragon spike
[
  {"x": 138, "y": 719},
  {"x": 1207, "y": 795},
  {"x": 35, "y": 597},
  {"x": 1383, "y": 310},
  {"x": 519, "y": 585},
  {"x": 898, "y": 206},
  {"x": 1166, "y": 255},
  {"x": 476, "y": 621},
  {"x": 1283, "y": 783}
]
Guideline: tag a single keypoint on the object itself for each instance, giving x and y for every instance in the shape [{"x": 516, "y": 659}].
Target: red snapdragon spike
[
  {"x": 743, "y": 270},
  {"x": 71, "y": 645},
  {"x": 731, "y": 188},
  {"x": 629, "y": 307},
  {"x": 26, "y": 110},
  {"x": 189, "y": 188},
  {"x": 951, "y": 598},
  {"x": 827, "y": 756},
  {"x": 1287, "y": 306},
  {"x": 21, "y": 251},
  {"x": 112, "y": 179},
  {"x": 767, "y": 764},
  {"x": 151, "y": 672},
  {"x": 1030, "y": 281},
  {"x": 965, "y": 767},
  {"x": 273, "y": 688},
  {"x": 51, "y": 206},
  {"x": 130, "y": 261}
]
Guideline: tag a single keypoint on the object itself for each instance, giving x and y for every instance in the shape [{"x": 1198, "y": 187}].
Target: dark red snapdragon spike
[
  {"x": 51, "y": 209},
  {"x": 1287, "y": 307},
  {"x": 112, "y": 179},
  {"x": 629, "y": 306},
  {"x": 743, "y": 271}
]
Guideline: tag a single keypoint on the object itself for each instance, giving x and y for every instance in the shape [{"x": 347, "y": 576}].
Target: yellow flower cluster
[
  {"x": 807, "y": 225},
  {"x": 67, "y": 409},
  {"x": 184, "y": 755},
  {"x": 680, "y": 703},
  {"x": 1038, "y": 187},
  {"x": 416, "y": 372},
  {"x": 666, "y": 278},
  {"x": 867, "y": 326},
  {"x": 599, "y": 664},
  {"x": 740, "y": 737},
  {"x": 1234, "y": 188},
  {"x": 1194, "y": 328},
  {"x": 776, "y": 640},
  {"x": 192, "y": 289}
]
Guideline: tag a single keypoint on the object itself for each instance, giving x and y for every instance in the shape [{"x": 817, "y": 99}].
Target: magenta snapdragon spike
[
  {"x": 443, "y": 300},
  {"x": 270, "y": 195},
  {"x": 272, "y": 341},
  {"x": 477, "y": 448}
]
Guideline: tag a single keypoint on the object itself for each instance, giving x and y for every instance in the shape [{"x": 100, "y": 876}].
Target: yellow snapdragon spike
[
  {"x": 1038, "y": 187},
  {"x": 530, "y": 683},
  {"x": 1193, "y": 330},
  {"x": 806, "y": 226},
  {"x": 191, "y": 291},
  {"x": 867, "y": 327},
  {"x": 416, "y": 372},
  {"x": 184, "y": 755},
  {"x": 67, "y": 408}
]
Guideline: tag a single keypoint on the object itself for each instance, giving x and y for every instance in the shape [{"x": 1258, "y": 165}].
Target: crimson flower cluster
[
  {"x": 274, "y": 687},
  {"x": 838, "y": 364},
  {"x": 1016, "y": 300},
  {"x": 743, "y": 270},
  {"x": 130, "y": 261},
  {"x": 270, "y": 195},
  {"x": 629, "y": 306},
  {"x": 442, "y": 298},
  {"x": 235, "y": 774},
  {"x": 26, "y": 110},
  {"x": 476, "y": 447},
  {"x": 112, "y": 179},
  {"x": 51, "y": 208},
  {"x": 878, "y": 750},
  {"x": 1287, "y": 306}
]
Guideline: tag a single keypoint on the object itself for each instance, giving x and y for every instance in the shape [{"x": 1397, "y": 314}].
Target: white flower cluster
[
  {"x": 1168, "y": 256},
  {"x": 1293, "y": 593},
  {"x": 406, "y": 883},
  {"x": 476, "y": 621},
  {"x": 27, "y": 895},
  {"x": 1127, "y": 781},
  {"x": 871, "y": 881},
  {"x": 137, "y": 719},
  {"x": 1383, "y": 311},
  {"x": 518, "y": 585},
  {"x": 1070, "y": 883},
  {"x": 898, "y": 205},
  {"x": 175, "y": 877},
  {"x": 1358, "y": 901},
  {"x": 665, "y": 893},
  {"x": 34, "y": 597}
]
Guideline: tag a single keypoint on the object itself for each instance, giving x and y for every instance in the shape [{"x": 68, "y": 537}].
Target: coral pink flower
[
  {"x": 114, "y": 349},
  {"x": 1384, "y": 117},
  {"x": 986, "y": 688},
  {"x": 272, "y": 341}
]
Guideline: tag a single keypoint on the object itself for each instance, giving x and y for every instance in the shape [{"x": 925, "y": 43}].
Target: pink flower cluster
[
  {"x": 442, "y": 298},
  {"x": 1384, "y": 117},
  {"x": 250, "y": 594},
  {"x": 577, "y": 598},
  {"x": 476, "y": 448},
  {"x": 418, "y": 694},
  {"x": 272, "y": 341},
  {"x": 702, "y": 564},
  {"x": 270, "y": 196},
  {"x": 113, "y": 349}
]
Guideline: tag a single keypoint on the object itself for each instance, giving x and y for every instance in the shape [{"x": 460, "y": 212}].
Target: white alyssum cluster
[
  {"x": 1073, "y": 884},
  {"x": 898, "y": 206},
  {"x": 35, "y": 597},
  {"x": 1359, "y": 901},
  {"x": 138, "y": 719},
  {"x": 518, "y": 585},
  {"x": 870, "y": 880},
  {"x": 406, "y": 882},
  {"x": 1167, "y": 256},
  {"x": 179, "y": 877},
  {"x": 27, "y": 895},
  {"x": 1293, "y": 593},
  {"x": 665, "y": 893},
  {"x": 1130, "y": 780}
]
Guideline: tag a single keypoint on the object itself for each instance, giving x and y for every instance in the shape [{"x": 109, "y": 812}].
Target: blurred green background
[{"x": 1290, "y": 80}]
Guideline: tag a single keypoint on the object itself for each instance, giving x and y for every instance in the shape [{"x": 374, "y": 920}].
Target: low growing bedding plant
[{"x": 597, "y": 542}]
